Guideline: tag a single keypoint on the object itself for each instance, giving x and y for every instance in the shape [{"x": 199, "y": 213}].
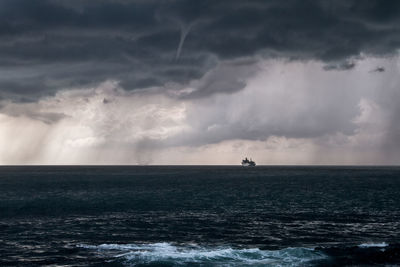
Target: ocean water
[{"x": 199, "y": 216}]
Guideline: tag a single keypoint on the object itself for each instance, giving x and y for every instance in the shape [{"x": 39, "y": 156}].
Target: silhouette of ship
[{"x": 248, "y": 163}]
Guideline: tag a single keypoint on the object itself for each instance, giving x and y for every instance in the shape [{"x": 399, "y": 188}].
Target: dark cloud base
[{"x": 52, "y": 45}]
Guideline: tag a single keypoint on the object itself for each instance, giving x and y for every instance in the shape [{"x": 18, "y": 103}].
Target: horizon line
[{"x": 199, "y": 165}]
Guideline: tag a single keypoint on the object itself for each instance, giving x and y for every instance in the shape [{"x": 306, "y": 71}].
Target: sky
[{"x": 200, "y": 82}]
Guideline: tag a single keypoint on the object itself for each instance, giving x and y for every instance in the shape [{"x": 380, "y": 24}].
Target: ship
[{"x": 248, "y": 163}]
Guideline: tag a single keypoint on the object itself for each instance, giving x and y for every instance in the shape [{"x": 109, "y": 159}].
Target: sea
[{"x": 199, "y": 216}]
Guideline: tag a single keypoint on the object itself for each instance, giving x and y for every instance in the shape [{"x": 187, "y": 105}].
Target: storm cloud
[
  {"x": 53, "y": 45},
  {"x": 154, "y": 81}
]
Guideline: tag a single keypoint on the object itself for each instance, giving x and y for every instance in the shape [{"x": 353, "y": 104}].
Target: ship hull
[{"x": 248, "y": 165}]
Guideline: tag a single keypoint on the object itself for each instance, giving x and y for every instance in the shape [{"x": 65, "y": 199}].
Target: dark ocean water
[{"x": 199, "y": 216}]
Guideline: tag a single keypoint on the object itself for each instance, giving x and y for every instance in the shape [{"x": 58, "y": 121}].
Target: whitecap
[
  {"x": 132, "y": 254},
  {"x": 373, "y": 245}
]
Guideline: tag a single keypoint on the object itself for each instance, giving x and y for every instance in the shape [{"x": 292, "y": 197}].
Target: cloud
[
  {"x": 288, "y": 112},
  {"x": 331, "y": 113},
  {"x": 283, "y": 99},
  {"x": 76, "y": 126},
  {"x": 135, "y": 81},
  {"x": 347, "y": 65},
  {"x": 378, "y": 69},
  {"x": 54, "y": 45}
]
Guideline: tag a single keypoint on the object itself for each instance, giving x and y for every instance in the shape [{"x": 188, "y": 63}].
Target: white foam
[
  {"x": 373, "y": 245},
  {"x": 165, "y": 252}
]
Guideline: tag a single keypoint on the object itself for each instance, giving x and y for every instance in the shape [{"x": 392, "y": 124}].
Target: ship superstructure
[{"x": 248, "y": 162}]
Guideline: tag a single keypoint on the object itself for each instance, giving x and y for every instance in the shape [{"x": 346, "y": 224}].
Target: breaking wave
[
  {"x": 169, "y": 254},
  {"x": 373, "y": 245}
]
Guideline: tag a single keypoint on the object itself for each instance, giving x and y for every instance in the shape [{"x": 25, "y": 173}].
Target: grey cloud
[
  {"x": 298, "y": 105},
  {"x": 30, "y": 111},
  {"x": 137, "y": 42},
  {"x": 347, "y": 65},
  {"x": 378, "y": 69},
  {"x": 227, "y": 77},
  {"x": 388, "y": 96}
]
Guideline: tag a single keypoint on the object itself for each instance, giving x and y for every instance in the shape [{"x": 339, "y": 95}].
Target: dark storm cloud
[{"x": 50, "y": 45}]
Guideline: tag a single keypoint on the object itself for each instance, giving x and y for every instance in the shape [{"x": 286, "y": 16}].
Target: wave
[
  {"x": 169, "y": 254},
  {"x": 373, "y": 245}
]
